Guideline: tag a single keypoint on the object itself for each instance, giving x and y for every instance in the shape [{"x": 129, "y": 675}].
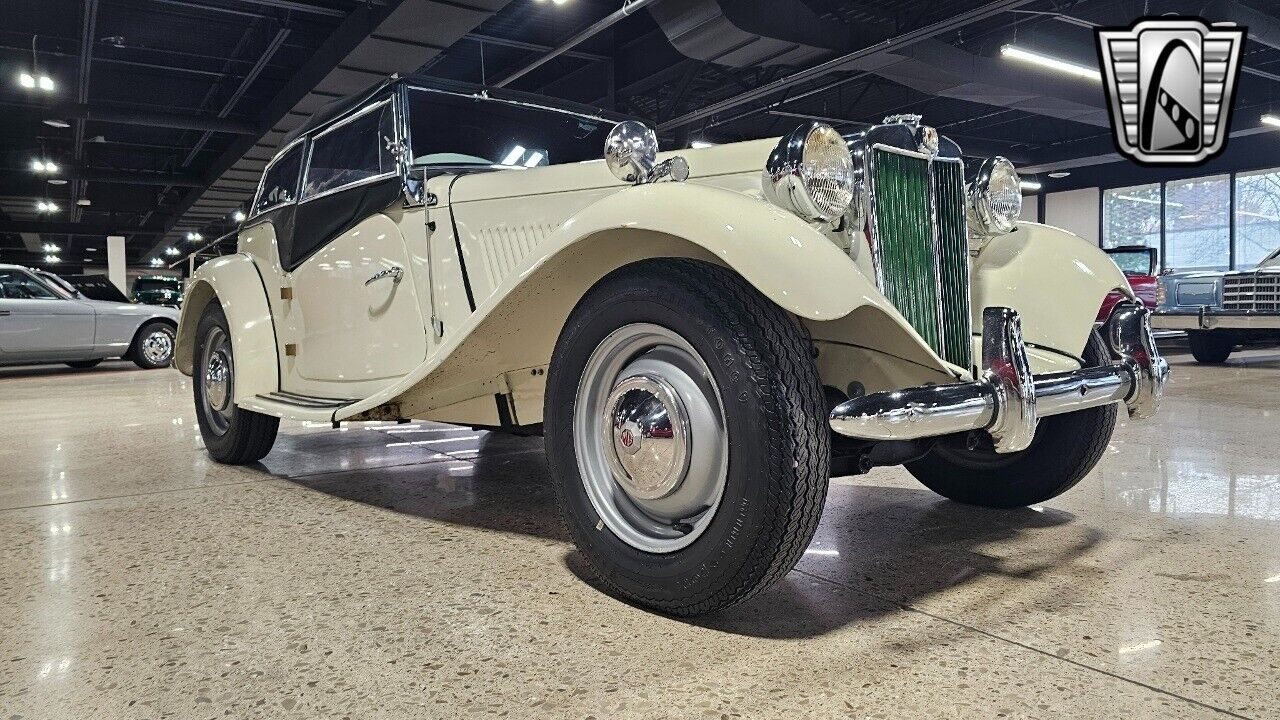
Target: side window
[
  {"x": 280, "y": 184},
  {"x": 17, "y": 285},
  {"x": 351, "y": 153}
]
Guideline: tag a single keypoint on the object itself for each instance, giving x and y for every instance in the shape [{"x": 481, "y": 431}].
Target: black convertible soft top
[{"x": 341, "y": 107}]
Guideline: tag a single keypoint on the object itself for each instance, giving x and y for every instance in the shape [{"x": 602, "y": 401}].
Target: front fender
[
  {"x": 1054, "y": 279},
  {"x": 784, "y": 257},
  {"x": 234, "y": 282}
]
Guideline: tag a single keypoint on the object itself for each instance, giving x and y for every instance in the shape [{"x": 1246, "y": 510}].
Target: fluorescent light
[
  {"x": 1031, "y": 185},
  {"x": 156, "y": 262},
  {"x": 54, "y": 122},
  {"x": 46, "y": 83},
  {"x": 1059, "y": 174},
  {"x": 49, "y": 167},
  {"x": 171, "y": 250},
  {"x": 37, "y": 165},
  {"x": 194, "y": 236},
  {"x": 515, "y": 154},
  {"x": 238, "y": 216},
  {"x": 699, "y": 144},
  {"x": 44, "y": 206},
  {"x": 534, "y": 158},
  {"x": 84, "y": 202},
  {"x": 50, "y": 248},
  {"x": 1270, "y": 119},
  {"x": 52, "y": 259},
  {"x": 1062, "y": 66},
  {"x": 26, "y": 81},
  {"x": 57, "y": 181}
]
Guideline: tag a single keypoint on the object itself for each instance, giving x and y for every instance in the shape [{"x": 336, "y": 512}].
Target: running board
[
  {"x": 295, "y": 407},
  {"x": 306, "y": 401}
]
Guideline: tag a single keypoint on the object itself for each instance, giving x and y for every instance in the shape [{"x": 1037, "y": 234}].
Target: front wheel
[
  {"x": 686, "y": 432},
  {"x": 1065, "y": 449},
  {"x": 231, "y": 434},
  {"x": 153, "y": 348},
  {"x": 1210, "y": 348}
]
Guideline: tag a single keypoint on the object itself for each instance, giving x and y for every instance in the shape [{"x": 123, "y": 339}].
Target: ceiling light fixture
[
  {"x": 50, "y": 248},
  {"x": 45, "y": 206},
  {"x": 51, "y": 259},
  {"x": 26, "y": 80},
  {"x": 1059, "y": 174},
  {"x": 194, "y": 236},
  {"x": 55, "y": 122},
  {"x": 43, "y": 166},
  {"x": 57, "y": 181},
  {"x": 1270, "y": 119},
  {"x": 84, "y": 202},
  {"x": 171, "y": 250},
  {"x": 238, "y": 216},
  {"x": 513, "y": 155},
  {"x": 157, "y": 262},
  {"x": 1069, "y": 68}
]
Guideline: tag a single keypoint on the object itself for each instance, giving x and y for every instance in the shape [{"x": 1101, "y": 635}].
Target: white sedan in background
[{"x": 45, "y": 320}]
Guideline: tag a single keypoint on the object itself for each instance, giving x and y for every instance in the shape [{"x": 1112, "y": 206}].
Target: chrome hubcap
[
  {"x": 157, "y": 347},
  {"x": 217, "y": 381},
  {"x": 650, "y": 438}
]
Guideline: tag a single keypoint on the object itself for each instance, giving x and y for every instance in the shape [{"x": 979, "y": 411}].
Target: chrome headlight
[
  {"x": 810, "y": 173},
  {"x": 995, "y": 198}
]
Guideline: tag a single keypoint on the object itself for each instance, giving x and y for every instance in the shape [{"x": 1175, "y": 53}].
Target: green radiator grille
[{"x": 923, "y": 255}]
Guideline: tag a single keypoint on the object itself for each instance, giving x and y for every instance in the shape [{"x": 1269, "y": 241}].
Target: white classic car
[
  {"x": 44, "y": 319},
  {"x": 705, "y": 338}
]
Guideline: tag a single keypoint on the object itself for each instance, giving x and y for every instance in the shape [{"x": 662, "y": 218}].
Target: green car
[{"x": 158, "y": 290}]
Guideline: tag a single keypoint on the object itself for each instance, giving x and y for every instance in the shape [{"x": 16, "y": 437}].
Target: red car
[{"x": 1138, "y": 263}]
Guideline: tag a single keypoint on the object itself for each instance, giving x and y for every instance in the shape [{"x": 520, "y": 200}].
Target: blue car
[{"x": 1222, "y": 310}]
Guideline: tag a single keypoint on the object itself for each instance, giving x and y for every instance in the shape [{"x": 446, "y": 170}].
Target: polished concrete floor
[{"x": 420, "y": 571}]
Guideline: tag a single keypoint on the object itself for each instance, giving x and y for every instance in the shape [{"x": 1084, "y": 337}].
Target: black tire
[
  {"x": 143, "y": 359},
  {"x": 761, "y": 363},
  {"x": 84, "y": 364},
  {"x": 1211, "y": 348},
  {"x": 248, "y": 436},
  {"x": 1066, "y": 447}
]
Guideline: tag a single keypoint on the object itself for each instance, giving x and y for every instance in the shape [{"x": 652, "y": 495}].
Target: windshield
[
  {"x": 450, "y": 129},
  {"x": 60, "y": 286},
  {"x": 1132, "y": 262}
]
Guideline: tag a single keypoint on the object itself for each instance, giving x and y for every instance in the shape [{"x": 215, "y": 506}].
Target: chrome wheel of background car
[
  {"x": 157, "y": 347},
  {"x": 650, "y": 436},
  {"x": 217, "y": 380}
]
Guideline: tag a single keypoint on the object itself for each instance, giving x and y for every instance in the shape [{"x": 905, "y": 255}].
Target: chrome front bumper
[{"x": 1008, "y": 401}]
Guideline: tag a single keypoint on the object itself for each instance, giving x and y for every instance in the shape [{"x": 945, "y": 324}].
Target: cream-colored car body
[{"x": 533, "y": 241}]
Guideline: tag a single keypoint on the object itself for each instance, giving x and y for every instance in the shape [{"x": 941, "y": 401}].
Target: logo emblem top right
[{"x": 1170, "y": 84}]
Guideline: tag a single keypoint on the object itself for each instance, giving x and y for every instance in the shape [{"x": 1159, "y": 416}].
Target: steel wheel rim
[
  {"x": 217, "y": 381},
  {"x": 157, "y": 347},
  {"x": 645, "y": 387}
]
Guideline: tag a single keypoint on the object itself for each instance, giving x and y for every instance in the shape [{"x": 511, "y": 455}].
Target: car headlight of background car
[
  {"x": 810, "y": 173},
  {"x": 995, "y": 199}
]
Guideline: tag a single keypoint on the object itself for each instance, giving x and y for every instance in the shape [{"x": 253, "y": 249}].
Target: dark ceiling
[{"x": 173, "y": 106}]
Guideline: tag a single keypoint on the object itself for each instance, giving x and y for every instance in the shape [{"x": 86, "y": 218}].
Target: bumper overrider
[{"x": 1007, "y": 402}]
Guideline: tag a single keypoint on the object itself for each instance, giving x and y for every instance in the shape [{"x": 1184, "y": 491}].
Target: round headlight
[
  {"x": 810, "y": 173},
  {"x": 995, "y": 198}
]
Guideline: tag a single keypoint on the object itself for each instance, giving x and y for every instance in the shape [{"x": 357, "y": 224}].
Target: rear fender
[{"x": 233, "y": 281}]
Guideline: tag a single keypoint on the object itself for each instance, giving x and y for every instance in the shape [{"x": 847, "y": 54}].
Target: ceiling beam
[
  {"x": 844, "y": 61},
  {"x": 177, "y": 121}
]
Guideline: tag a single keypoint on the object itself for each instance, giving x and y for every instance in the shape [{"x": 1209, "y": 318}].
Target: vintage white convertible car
[{"x": 705, "y": 337}]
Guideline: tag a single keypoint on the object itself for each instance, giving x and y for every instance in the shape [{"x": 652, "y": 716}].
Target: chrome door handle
[{"x": 394, "y": 272}]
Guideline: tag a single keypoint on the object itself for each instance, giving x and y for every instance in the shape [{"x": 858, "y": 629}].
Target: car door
[
  {"x": 38, "y": 324},
  {"x": 347, "y": 263}
]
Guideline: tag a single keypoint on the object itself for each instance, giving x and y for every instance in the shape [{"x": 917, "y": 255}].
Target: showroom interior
[{"x": 368, "y": 561}]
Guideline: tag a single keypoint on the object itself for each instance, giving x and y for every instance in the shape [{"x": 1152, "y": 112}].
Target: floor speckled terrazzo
[{"x": 420, "y": 571}]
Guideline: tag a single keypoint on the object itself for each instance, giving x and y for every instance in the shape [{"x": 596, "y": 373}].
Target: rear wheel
[
  {"x": 686, "y": 432},
  {"x": 84, "y": 364},
  {"x": 153, "y": 347},
  {"x": 1066, "y": 447},
  {"x": 231, "y": 434},
  {"x": 1210, "y": 347}
]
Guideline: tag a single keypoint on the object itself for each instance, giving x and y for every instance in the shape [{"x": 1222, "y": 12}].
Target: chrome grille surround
[
  {"x": 1256, "y": 291},
  {"x": 924, "y": 274}
]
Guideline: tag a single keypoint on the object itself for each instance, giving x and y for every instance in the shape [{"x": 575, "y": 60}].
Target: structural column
[{"x": 116, "y": 263}]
